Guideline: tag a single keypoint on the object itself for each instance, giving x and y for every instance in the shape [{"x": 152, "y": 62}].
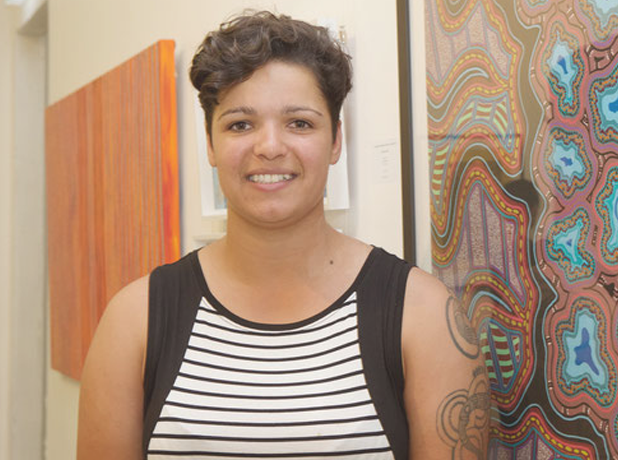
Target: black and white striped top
[{"x": 248, "y": 390}]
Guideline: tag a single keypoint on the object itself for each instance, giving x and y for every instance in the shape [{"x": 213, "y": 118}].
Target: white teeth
[{"x": 269, "y": 178}]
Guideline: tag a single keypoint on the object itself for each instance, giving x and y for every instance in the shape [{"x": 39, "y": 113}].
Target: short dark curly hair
[{"x": 239, "y": 47}]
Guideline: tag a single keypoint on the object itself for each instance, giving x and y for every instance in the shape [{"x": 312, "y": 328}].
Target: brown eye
[
  {"x": 300, "y": 124},
  {"x": 239, "y": 126}
]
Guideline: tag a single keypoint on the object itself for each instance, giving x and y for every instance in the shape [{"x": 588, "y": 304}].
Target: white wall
[
  {"x": 7, "y": 26},
  {"x": 88, "y": 37},
  {"x": 28, "y": 306},
  {"x": 22, "y": 231},
  {"x": 420, "y": 139}
]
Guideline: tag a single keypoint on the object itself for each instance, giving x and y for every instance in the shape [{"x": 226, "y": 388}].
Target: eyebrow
[
  {"x": 301, "y": 108},
  {"x": 242, "y": 109},
  {"x": 287, "y": 110}
]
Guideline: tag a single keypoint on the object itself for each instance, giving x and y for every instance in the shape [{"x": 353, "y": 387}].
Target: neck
[{"x": 255, "y": 252}]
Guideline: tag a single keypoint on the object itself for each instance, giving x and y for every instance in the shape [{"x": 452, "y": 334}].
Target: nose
[{"x": 270, "y": 142}]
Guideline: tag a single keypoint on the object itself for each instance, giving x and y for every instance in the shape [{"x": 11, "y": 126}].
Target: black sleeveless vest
[{"x": 219, "y": 386}]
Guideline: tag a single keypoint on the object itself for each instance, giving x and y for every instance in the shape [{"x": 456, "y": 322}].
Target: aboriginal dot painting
[{"x": 523, "y": 139}]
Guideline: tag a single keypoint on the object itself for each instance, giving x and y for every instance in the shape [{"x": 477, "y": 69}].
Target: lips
[{"x": 270, "y": 178}]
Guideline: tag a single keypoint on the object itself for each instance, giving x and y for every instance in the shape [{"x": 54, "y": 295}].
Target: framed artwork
[
  {"x": 522, "y": 101},
  {"x": 406, "y": 129},
  {"x": 112, "y": 194}
]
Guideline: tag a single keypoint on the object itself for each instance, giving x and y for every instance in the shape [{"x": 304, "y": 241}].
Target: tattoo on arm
[
  {"x": 463, "y": 418},
  {"x": 462, "y": 333}
]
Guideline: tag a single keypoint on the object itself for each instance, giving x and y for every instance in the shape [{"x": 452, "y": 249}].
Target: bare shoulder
[
  {"x": 424, "y": 307},
  {"x": 129, "y": 306},
  {"x": 112, "y": 379},
  {"x": 425, "y": 291},
  {"x": 446, "y": 386},
  {"x": 434, "y": 316},
  {"x": 123, "y": 325}
]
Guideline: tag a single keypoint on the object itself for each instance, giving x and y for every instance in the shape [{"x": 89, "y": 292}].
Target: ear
[
  {"x": 337, "y": 143},
  {"x": 210, "y": 150}
]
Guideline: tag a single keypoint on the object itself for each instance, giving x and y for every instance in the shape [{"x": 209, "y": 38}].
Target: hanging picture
[
  {"x": 112, "y": 194},
  {"x": 522, "y": 100}
]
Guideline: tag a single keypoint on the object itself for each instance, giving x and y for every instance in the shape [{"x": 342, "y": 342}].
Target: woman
[{"x": 286, "y": 338}]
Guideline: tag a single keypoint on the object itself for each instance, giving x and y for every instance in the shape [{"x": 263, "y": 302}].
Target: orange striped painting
[{"x": 112, "y": 193}]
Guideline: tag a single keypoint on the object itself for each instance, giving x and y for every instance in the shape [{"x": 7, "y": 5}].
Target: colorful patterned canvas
[
  {"x": 523, "y": 133},
  {"x": 112, "y": 194}
]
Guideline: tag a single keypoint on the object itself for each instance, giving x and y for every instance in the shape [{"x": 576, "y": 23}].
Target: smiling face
[{"x": 272, "y": 144}]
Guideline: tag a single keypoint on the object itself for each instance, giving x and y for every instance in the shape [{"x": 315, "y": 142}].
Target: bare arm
[
  {"x": 111, "y": 394},
  {"x": 446, "y": 390}
]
